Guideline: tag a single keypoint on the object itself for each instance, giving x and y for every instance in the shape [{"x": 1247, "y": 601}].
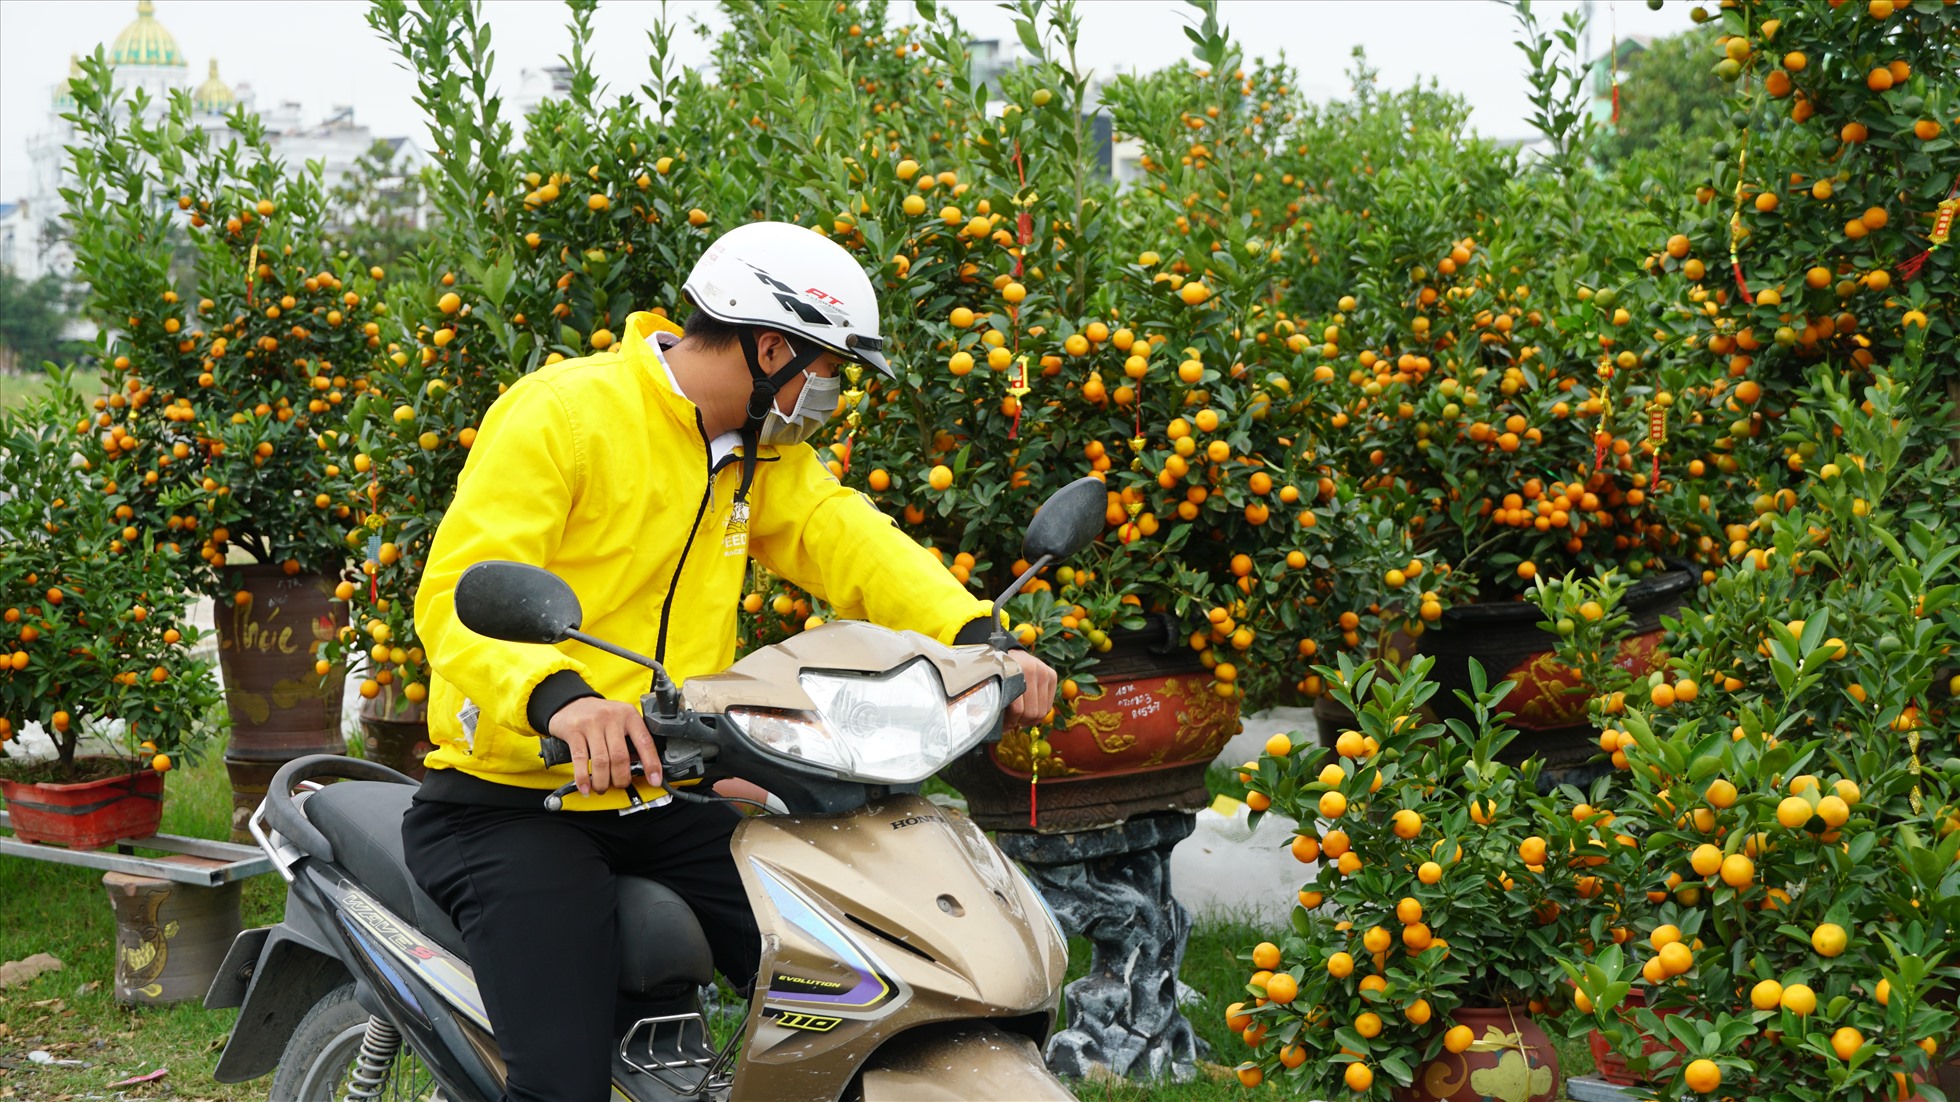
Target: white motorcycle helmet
[{"x": 783, "y": 276}]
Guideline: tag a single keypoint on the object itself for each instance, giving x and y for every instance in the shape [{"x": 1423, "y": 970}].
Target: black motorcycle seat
[{"x": 661, "y": 941}]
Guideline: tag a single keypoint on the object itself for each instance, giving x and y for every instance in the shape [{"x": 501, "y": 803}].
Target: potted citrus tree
[
  {"x": 597, "y": 212},
  {"x": 1782, "y": 914},
  {"x": 1420, "y": 952},
  {"x": 237, "y": 341},
  {"x": 97, "y": 653},
  {"x": 1059, "y": 330}
]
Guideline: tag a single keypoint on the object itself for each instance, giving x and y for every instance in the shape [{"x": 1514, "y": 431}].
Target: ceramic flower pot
[
  {"x": 395, "y": 732},
  {"x": 1548, "y": 705},
  {"x": 1141, "y": 744},
  {"x": 1612, "y": 1066},
  {"x": 280, "y": 708},
  {"x": 1511, "y": 1060},
  {"x": 87, "y": 814}
]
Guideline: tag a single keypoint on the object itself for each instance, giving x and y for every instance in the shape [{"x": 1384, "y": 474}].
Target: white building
[{"x": 146, "y": 56}]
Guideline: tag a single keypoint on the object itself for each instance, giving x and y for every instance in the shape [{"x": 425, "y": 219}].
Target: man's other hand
[
  {"x": 599, "y": 732},
  {"x": 1039, "y": 697}
]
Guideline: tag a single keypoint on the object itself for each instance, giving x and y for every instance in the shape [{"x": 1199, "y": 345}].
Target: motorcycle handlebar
[{"x": 554, "y": 751}]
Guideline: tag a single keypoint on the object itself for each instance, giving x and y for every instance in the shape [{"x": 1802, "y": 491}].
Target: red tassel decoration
[
  {"x": 1748, "y": 296},
  {"x": 1942, "y": 229}
]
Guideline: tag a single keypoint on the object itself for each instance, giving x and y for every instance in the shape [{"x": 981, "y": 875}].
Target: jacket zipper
[{"x": 673, "y": 585}]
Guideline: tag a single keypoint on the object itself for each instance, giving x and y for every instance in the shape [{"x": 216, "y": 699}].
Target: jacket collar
[{"x": 640, "y": 332}]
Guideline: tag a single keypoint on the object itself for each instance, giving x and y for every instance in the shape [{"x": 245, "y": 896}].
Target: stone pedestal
[
  {"x": 170, "y": 937},
  {"x": 1113, "y": 887}
]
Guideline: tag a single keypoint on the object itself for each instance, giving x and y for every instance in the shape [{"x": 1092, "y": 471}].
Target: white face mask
[{"x": 814, "y": 406}]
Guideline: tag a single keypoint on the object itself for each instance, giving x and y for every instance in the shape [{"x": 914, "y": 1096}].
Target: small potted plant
[
  {"x": 94, "y": 649},
  {"x": 1421, "y": 948}
]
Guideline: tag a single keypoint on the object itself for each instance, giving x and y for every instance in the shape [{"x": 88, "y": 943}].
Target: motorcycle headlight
[{"x": 896, "y": 729}]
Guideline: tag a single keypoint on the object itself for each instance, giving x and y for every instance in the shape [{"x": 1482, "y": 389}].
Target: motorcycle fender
[
  {"x": 291, "y": 975},
  {"x": 228, "y": 984},
  {"x": 954, "y": 1063}
]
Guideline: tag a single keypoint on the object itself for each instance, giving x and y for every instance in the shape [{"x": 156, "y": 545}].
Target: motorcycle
[{"x": 903, "y": 957}]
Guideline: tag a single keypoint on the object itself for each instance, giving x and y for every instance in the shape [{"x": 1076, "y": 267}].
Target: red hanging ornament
[
  {"x": 373, "y": 523},
  {"x": 1038, "y": 751},
  {"x": 1614, "y": 15},
  {"x": 1017, "y": 377},
  {"x": 1942, "y": 228},
  {"x": 252, "y": 267},
  {"x": 1735, "y": 217},
  {"x": 1656, "y": 436}
]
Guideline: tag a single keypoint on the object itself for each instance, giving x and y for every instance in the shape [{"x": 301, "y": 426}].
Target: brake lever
[{"x": 635, "y": 801}]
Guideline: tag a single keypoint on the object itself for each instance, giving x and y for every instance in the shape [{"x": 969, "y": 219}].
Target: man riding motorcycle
[{"x": 645, "y": 477}]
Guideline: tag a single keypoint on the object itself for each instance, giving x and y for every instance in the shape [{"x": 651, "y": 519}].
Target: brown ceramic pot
[
  {"x": 1511, "y": 1060},
  {"x": 394, "y": 731},
  {"x": 1548, "y": 709},
  {"x": 280, "y": 708}
]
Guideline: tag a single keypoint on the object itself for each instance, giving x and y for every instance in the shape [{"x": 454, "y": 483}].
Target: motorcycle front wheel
[{"x": 323, "y": 1052}]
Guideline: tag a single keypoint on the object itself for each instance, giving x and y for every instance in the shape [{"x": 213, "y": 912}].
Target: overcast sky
[{"x": 322, "y": 54}]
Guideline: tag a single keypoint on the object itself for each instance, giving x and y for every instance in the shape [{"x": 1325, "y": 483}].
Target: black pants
[{"x": 532, "y": 893}]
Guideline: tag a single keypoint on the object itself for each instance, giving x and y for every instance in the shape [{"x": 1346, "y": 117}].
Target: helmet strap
[{"x": 762, "y": 396}]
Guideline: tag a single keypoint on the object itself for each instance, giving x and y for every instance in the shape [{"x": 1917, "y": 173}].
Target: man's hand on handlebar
[
  {"x": 599, "y": 731},
  {"x": 1039, "y": 697}
]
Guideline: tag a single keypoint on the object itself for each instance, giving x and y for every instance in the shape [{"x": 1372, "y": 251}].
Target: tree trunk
[{"x": 1953, "y": 400}]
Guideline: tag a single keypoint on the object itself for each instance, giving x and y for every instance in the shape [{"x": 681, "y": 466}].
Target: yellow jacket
[{"x": 597, "y": 470}]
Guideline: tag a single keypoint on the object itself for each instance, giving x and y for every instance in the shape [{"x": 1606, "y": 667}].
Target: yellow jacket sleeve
[
  {"x": 834, "y": 542},
  {"x": 527, "y": 451}
]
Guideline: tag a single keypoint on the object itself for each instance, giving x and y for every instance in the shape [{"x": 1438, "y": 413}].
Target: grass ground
[
  {"x": 72, "y": 1014},
  {"x": 17, "y": 390}
]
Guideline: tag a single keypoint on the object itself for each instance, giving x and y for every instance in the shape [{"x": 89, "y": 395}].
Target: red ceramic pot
[
  {"x": 89, "y": 814},
  {"x": 1511, "y": 1060},
  {"x": 1612, "y": 1066},
  {"x": 1547, "y": 706},
  {"x": 1140, "y": 745}
]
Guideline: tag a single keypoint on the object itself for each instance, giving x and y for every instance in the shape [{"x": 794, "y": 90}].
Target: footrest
[{"x": 674, "y": 1049}]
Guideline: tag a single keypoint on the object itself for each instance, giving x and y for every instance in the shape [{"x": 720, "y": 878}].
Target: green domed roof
[
  {"x": 64, "y": 92},
  {"x": 145, "y": 42},
  {"x": 213, "y": 97}
]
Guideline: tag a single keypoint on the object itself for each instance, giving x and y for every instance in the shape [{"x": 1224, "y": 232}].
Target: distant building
[
  {"x": 13, "y": 223},
  {"x": 1121, "y": 161},
  {"x": 146, "y": 56},
  {"x": 534, "y": 87},
  {"x": 1603, "y": 69}
]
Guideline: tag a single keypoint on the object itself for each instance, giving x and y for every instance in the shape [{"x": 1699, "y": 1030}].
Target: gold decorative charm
[{"x": 1104, "y": 727}]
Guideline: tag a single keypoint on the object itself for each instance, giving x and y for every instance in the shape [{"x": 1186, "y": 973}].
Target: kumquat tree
[{"x": 1596, "y": 491}]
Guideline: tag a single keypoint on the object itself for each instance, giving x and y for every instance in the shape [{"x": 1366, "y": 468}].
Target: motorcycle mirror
[
  {"x": 1067, "y": 522},
  {"x": 516, "y": 602}
]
